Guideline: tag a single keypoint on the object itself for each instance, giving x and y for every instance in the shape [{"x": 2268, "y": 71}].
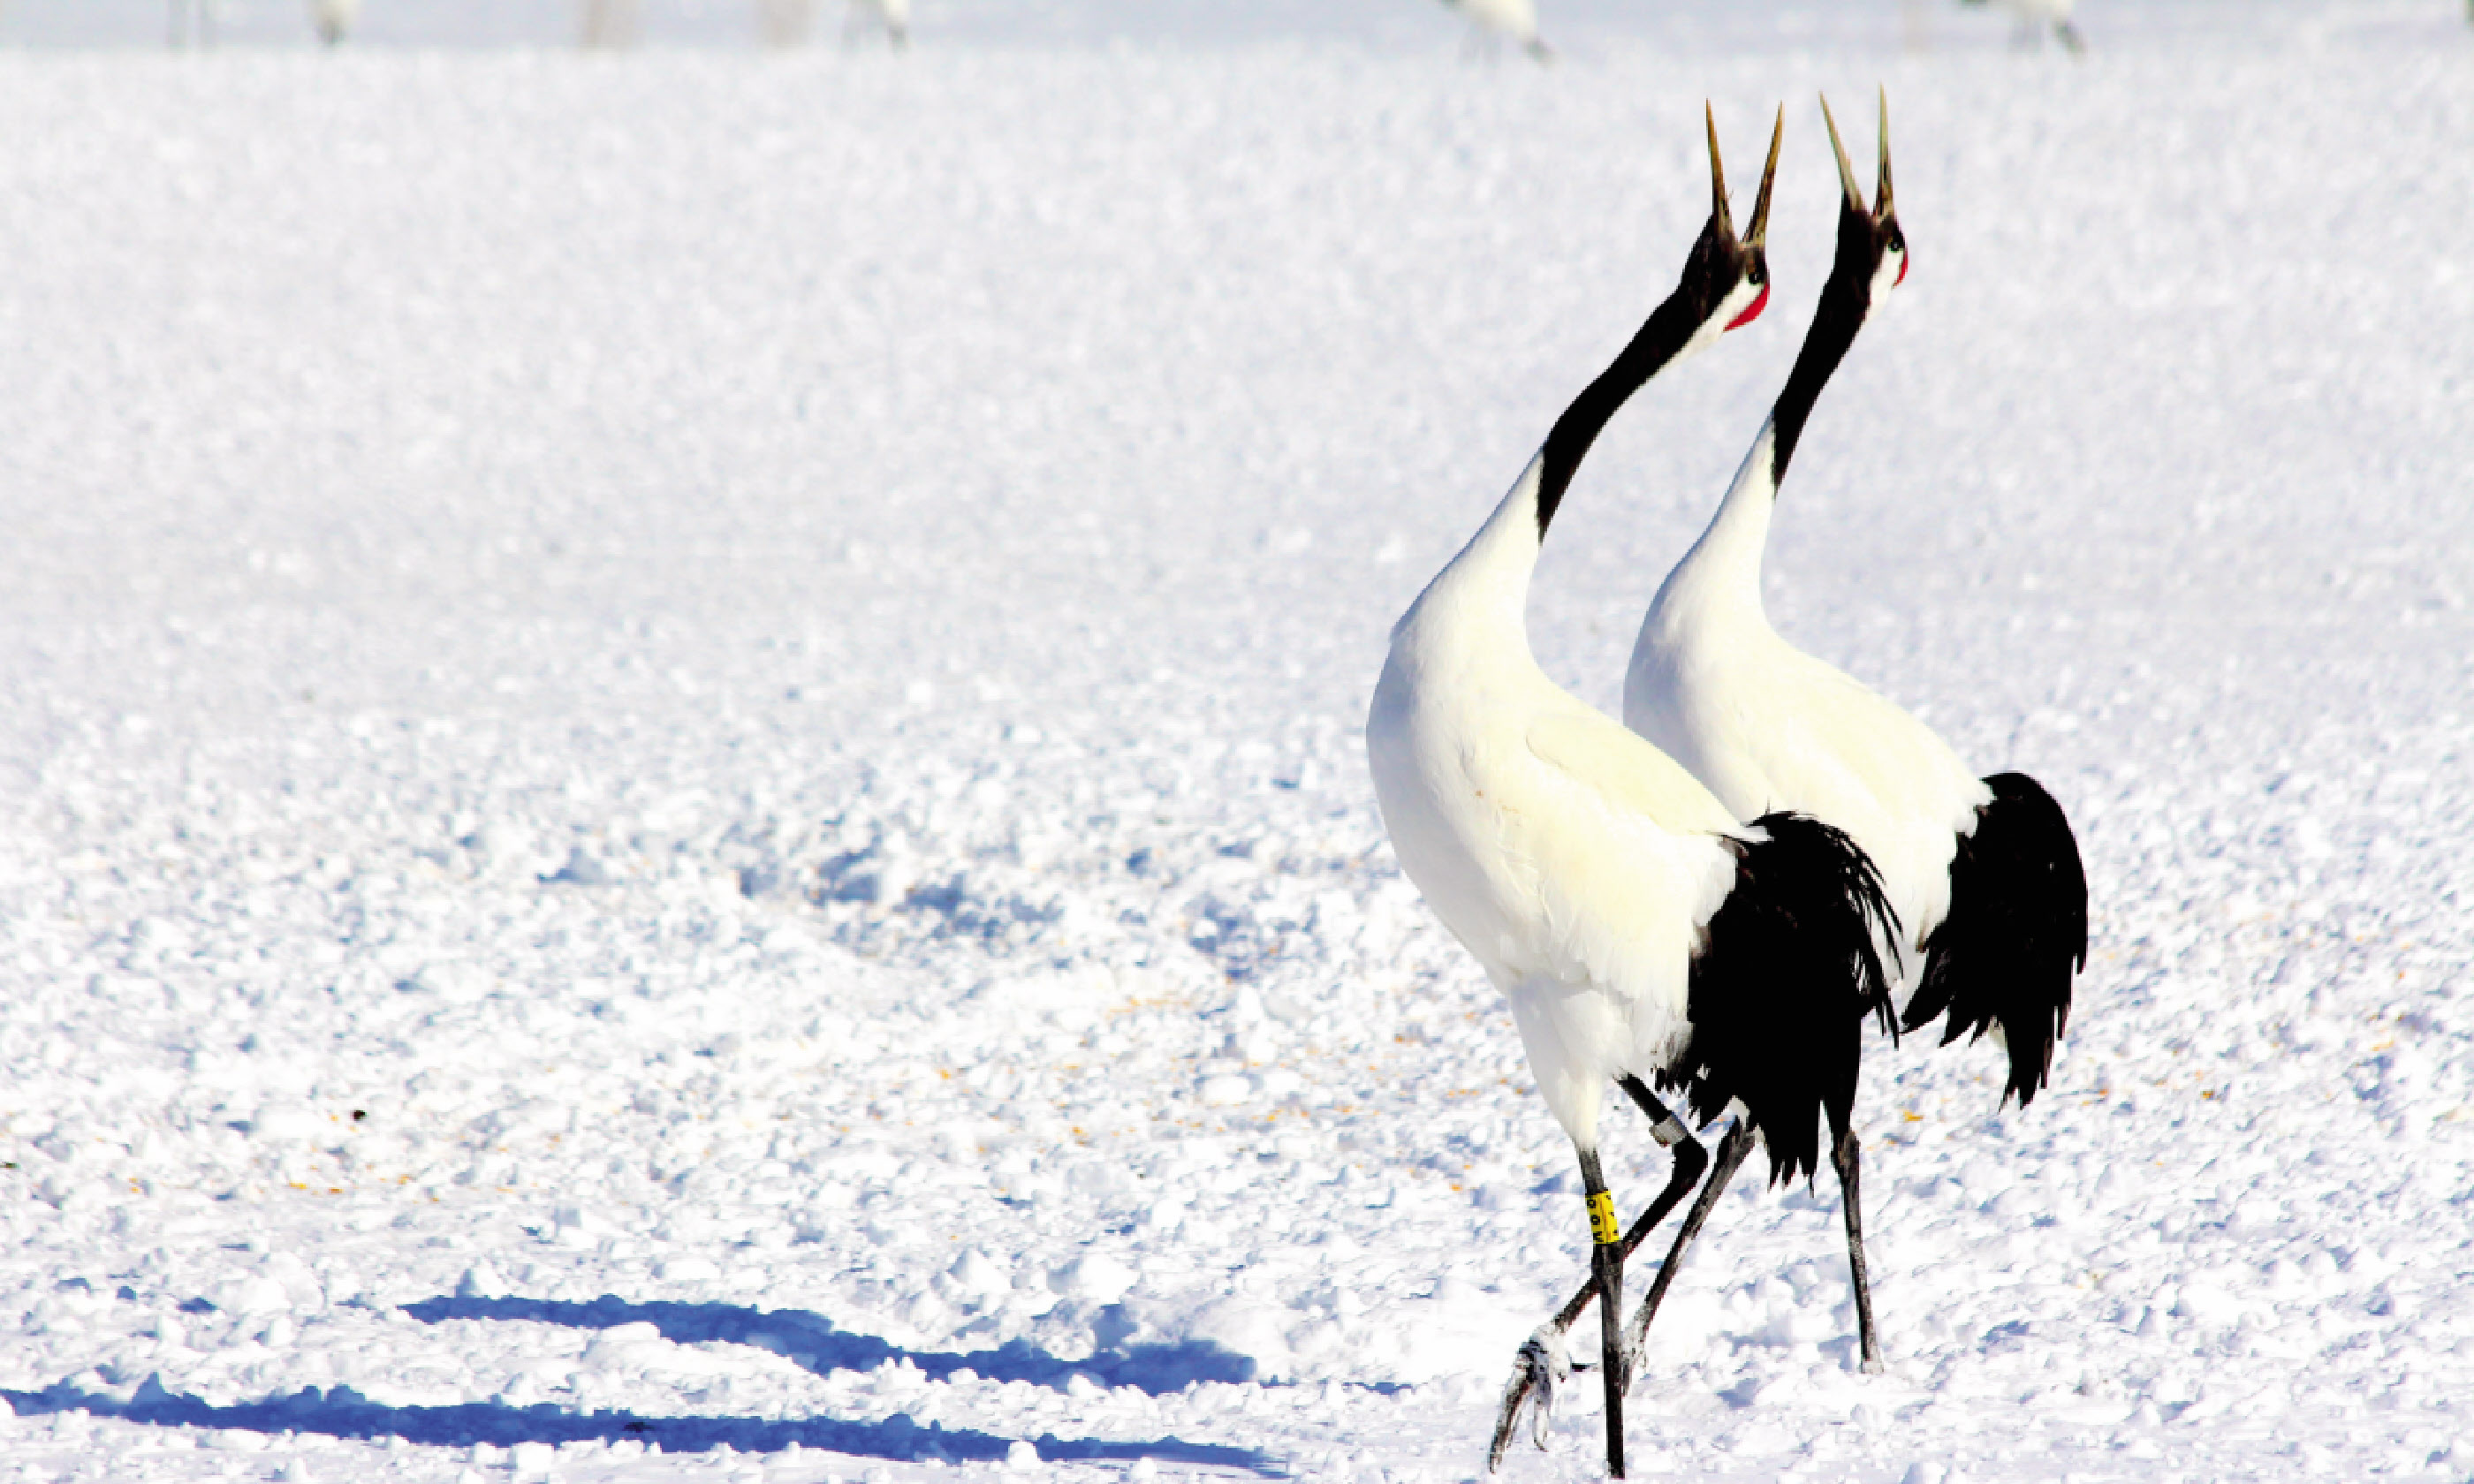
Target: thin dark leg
[
  {"x": 1847, "y": 1156},
  {"x": 1663, "y": 1126},
  {"x": 1535, "y": 1372},
  {"x": 1732, "y": 1150},
  {"x": 1604, "y": 1238},
  {"x": 1690, "y": 1159}
]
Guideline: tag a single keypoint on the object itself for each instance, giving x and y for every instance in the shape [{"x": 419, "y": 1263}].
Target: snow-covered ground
[
  {"x": 680, "y": 766},
  {"x": 1418, "y": 27}
]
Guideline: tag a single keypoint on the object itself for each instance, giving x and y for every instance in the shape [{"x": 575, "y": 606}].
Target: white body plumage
[
  {"x": 1983, "y": 874},
  {"x": 892, "y": 17},
  {"x": 334, "y": 20},
  {"x": 2036, "y": 12},
  {"x": 1768, "y": 727},
  {"x": 1516, "y": 19},
  {"x": 1575, "y": 862}
]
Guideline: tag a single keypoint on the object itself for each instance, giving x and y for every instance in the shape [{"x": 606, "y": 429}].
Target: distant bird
[
  {"x": 1636, "y": 928},
  {"x": 892, "y": 17},
  {"x": 2034, "y": 16},
  {"x": 611, "y": 24},
  {"x": 334, "y": 18},
  {"x": 1515, "y": 19},
  {"x": 1984, "y": 874},
  {"x": 192, "y": 19},
  {"x": 783, "y": 22}
]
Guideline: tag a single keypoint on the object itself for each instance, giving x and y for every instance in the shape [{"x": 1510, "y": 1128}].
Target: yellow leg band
[{"x": 1602, "y": 1220}]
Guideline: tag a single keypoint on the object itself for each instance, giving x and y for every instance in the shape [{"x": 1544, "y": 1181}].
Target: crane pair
[{"x": 1715, "y": 894}]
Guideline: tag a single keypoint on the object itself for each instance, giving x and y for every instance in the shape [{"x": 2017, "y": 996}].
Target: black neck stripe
[
  {"x": 1844, "y": 299},
  {"x": 1708, "y": 274}
]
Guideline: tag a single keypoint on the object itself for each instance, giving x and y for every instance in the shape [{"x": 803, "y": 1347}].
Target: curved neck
[
  {"x": 1846, "y": 299},
  {"x": 1721, "y": 575},
  {"x": 1487, "y": 585},
  {"x": 1687, "y": 321},
  {"x": 1720, "y": 578}
]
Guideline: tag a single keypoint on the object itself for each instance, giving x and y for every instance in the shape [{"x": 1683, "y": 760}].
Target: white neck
[
  {"x": 1478, "y": 603},
  {"x": 1721, "y": 576},
  {"x": 1482, "y": 595}
]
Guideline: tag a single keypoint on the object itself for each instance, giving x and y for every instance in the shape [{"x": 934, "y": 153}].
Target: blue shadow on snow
[
  {"x": 345, "y": 1413},
  {"x": 812, "y": 1342}
]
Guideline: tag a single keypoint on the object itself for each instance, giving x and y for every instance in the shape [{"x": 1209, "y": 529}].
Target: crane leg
[
  {"x": 1846, "y": 1155},
  {"x": 1605, "y": 1265},
  {"x": 1732, "y": 1151},
  {"x": 1541, "y": 1362}
]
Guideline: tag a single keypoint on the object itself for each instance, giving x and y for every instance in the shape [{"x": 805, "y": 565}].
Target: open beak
[
  {"x": 1847, "y": 185},
  {"x": 1760, "y": 234},
  {"x": 1880, "y": 191},
  {"x": 1881, "y": 210},
  {"x": 1719, "y": 211}
]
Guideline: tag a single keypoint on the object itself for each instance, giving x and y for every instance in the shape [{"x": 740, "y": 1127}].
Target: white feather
[
  {"x": 334, "y": 19},
  {"x": 1513, "y": 19},
  {"x": 1575, "y": 862},
  {"x": 2037, "y": 13},
  {"x": 1768, "y": 727},
  {"x": 892, "y": 17}
]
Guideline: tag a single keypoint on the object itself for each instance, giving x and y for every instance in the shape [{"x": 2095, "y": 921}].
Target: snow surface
[
  {"x": 1578, "y": 28},
  {"x": 681, "y": 760}
]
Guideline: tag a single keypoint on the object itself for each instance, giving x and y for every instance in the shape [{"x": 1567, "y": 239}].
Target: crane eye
[{"x": 1898, "y": 240}]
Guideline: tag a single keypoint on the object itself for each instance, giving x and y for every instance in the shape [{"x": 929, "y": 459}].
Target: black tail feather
[
  {"x": 2015, "y": 933},
  {"x": 1781, "y": 986}
]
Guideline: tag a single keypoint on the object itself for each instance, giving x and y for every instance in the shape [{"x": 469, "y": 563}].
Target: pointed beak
[
  {"x": 1760, "y": 234},
  {"x": 1718, "y": 212},
  {"x": 1880, "y": 191},
  {"x": 1854, "y": 193}
]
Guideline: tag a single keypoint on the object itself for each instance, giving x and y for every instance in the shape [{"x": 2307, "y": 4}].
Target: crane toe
[{"x": 1541, "y": 1365}]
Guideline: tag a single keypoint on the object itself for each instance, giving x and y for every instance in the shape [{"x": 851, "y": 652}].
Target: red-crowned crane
[
  {"x": 334, "y": 19},
  {"x": 1515, "y": 19},
  {"x": 1984, "y": 874},
  {"x": 1637, "y": 929},
  {"x": 891, "y": 16}
]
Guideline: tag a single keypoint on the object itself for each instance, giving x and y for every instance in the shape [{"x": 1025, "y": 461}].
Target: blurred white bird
[
  {"x": 1516, "y": 19},
  {"x": 193, "y": 19},
  {"x": 893, "y": 17},
  {"x": 783, "y": 22},
  {"x": 2035, "y": 16},
  {"x": 334, "y": 18},
  {"x": 610, "y": 24}
]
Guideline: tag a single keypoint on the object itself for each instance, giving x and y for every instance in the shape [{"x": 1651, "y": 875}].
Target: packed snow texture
[
  {"x": 1577, "y": 28},
  {"x": 681, "y": 793}
]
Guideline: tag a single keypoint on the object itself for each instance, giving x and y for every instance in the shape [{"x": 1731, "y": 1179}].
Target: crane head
[
  {"x": 1871, "y": 246},
  {"x": 1734, "y": 272}
]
